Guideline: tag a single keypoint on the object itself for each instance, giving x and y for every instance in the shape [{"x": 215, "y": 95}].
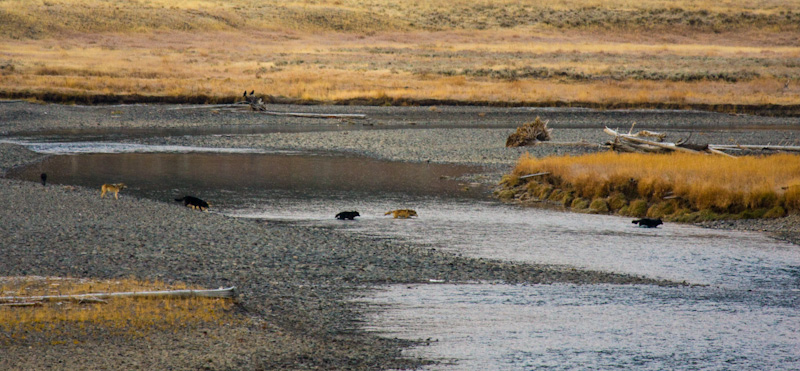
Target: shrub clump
[
  {"x": 505, "y": 194},
  {"x": 599, "y": 205},
  {"x": 529, "y": 133},
  {"x": 637, "y": 208},
  {"x": 662, "y": 209},
  {"x": 775, "y": 212},
  {"x": 579, "y": 204},
  {"x": 617, "y": 201}
]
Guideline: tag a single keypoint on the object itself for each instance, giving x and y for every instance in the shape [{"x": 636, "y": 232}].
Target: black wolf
[
  {"x": 193, "y": 202},
  {"x": 648, "y": 223},
  {"x": 347, "y": 215},
  {"x": 44, "y": 178}
]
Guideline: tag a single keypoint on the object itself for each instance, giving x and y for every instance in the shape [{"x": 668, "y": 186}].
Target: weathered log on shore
[
  {"x": 230, "y": 293},
  {"x": 634, "y": 142},
  {"x": 257, "y": 105}
]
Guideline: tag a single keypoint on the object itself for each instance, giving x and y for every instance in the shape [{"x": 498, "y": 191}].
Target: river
[{"x": 742, "y": 311}]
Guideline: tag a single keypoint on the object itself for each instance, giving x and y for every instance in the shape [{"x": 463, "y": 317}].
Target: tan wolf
[
  {"x": 402, "y": 213},
  {"x": 112, "y": 188}
]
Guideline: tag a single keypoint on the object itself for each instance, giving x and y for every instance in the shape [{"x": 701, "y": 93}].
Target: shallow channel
[{"x": 745, "y": 316}]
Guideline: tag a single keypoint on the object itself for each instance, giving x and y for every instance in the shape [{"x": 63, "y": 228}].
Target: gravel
[{"x": 296, "y": 282}]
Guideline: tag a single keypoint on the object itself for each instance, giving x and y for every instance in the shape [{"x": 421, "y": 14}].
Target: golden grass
[
  {"x": 335, "y": 67},
  {"x": 41, "y": 18},
  {"x": 69, "y": 321},
  {"x": 390, "y": 50},
  {"x": 693, "y": 182}
]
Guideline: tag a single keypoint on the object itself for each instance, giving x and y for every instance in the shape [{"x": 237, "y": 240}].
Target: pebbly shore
[{"x": 296, "y": 282}]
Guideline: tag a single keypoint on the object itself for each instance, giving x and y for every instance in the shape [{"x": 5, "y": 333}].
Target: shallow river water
[{"x": 744, "y": 313}]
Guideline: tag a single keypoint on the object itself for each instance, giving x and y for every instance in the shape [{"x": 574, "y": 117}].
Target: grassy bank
[
  {"x": 678, "y": 187},
  {"x": 607, "y": 54},
  {"x": 73, "y": 321}
]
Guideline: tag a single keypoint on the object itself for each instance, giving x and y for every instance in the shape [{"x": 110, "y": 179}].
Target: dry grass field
[
  {"x": 683, "y": 187},
  {"x": 571, "y": 52},
  {"x": 59, "y": 322}
]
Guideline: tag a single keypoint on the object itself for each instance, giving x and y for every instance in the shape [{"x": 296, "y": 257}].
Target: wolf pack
[{"x": 196, "y": 203}]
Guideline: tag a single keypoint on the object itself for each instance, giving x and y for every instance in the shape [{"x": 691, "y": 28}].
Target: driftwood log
[
  {"x": 745, "y": 147},
  {"x": 101, "y": 296},
  {"x": 636, "y": 142},
  {"x": 644, "y": 141},
  {"x": 257, "y": 104}
]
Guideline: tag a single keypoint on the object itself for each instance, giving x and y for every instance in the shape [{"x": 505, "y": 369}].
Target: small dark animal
[
  {"x": 44, "y": 178},
  {"x": 648, "y": 223},
  {"x": 245, "y": 94},
  {"x": 251, "y": 92},
  {"x": 194, "y": 202},
  {"x": 347, "y": 215}
]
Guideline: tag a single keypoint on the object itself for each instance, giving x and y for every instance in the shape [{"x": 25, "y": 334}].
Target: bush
[
  {"x": 775, "y": 212},
  {"x": 579, "y": 203},
  {"x": 505, "y": 194},
  {"x": 792, "y": 198},
  {"x": 637, "y": 208},
  {"x": 510, "y": 181},
  {"x": 662, "y": 209},
  {"x": 568, "y": 199},
  {"x": 617, "y": 201},
  {"x": 599, "y": 205}
]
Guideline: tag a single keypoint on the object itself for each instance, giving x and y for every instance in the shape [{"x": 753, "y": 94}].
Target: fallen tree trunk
[{"x": 216, "y": 293}]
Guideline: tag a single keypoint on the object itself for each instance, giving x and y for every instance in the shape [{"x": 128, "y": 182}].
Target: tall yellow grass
[
  {"x": 331, "y": 50},
  {"x": 69, "y": 321},
  {"x": 702, "y": 182},
  {"x": 333, "y": 67}
]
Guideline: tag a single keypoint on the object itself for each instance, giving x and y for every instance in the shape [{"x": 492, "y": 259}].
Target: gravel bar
[{"x": 297, "y": 282}]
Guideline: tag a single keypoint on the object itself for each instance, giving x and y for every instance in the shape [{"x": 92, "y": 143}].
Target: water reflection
[{"x": 233, "y": 181}]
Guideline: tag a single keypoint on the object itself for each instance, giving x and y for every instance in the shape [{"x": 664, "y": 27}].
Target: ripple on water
[{"x": 505, "y": 327}]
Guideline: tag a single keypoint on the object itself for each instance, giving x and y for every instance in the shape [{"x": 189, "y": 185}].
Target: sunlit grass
[
  {"x": 388, "y": 50},
  {"x": 39, "y": 18},
  {"x": 675, "y": 184},
  {"x": 339, "y": 67},
  {"x": 71, "y": 321}
]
